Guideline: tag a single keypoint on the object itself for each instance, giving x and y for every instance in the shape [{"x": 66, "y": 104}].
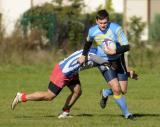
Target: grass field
[{"x": 142, "y": 98}]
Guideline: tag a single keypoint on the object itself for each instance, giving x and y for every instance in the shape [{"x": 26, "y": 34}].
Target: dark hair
[{"x": 102, "y": 14}]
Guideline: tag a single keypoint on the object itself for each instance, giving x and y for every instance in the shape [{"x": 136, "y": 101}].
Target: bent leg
[
  {"x": 75, "y": 89},
  {"x": 72, "y": 98}
]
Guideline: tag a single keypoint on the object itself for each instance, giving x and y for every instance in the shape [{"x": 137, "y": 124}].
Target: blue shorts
[{"x": 116, "y": 70}]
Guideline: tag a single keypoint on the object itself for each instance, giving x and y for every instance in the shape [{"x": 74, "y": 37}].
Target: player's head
[{"x": 102, "y": 19}]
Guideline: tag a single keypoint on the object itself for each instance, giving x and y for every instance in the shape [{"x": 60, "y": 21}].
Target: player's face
[{"x": 102, "y": 23}]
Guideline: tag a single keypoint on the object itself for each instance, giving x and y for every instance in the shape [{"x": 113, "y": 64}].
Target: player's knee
[
  {"x": 80, "y": 93},
  {"x": 116, "y": 91},
  {"x": 49, "y": 97}
]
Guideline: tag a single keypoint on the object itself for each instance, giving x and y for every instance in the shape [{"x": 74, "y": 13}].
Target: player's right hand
[{"x": 81, "y": 59}]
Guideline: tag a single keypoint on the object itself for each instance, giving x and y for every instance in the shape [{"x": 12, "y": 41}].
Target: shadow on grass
[
  {"x": 137, "y": 115},
  {"x": 84, "y": 115},
  {"x": 27, "y": 116},
  {"x": 146, "y": 115},
  {"x": 115, "y": 115},
  {"x": 92, "y": 115},
  {"x": 53, "y": 116}
]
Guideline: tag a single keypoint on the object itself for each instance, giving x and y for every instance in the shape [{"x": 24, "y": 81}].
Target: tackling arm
[{"x": 86, "y": 47}]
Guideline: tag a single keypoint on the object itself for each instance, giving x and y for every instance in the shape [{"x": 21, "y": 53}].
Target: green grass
[{"x": 142, "y": 98}]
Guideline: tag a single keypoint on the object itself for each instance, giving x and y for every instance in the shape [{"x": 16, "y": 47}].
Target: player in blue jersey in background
[{"x": 117, "y": 78}]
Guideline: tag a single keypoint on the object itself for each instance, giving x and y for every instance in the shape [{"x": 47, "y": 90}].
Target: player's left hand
[
  {"x": 109, "y": 51},
  {"x": 133, "y": 75}
]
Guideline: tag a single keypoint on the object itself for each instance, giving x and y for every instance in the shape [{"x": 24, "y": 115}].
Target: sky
[{"x": 13, "y": 9}]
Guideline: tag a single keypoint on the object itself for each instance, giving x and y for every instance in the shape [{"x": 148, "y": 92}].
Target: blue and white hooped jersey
[
  {"x": 70, "y": 65},
  {"x": 113, "y": 32}
]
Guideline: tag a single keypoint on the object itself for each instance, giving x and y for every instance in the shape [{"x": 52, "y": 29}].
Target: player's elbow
[
  {"x": 126, "y": 48},
  {"x": 122, "y": 49},
  {"x": 78, "y": 93}
]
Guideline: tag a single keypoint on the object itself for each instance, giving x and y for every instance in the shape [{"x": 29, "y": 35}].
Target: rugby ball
[{"x": 109, "y": 43}]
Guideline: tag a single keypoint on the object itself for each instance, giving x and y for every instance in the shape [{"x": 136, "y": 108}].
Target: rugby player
[
  {"x": 117, "y": 78},
  {"x": 65, "y": 73}
]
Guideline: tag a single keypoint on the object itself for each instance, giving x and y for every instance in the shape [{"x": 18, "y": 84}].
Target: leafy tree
[
  {"x": 116, "y": 17},
  {"x": 42, "y": 18},
  {"x": 108, "y": 6},
  {"x": 58, "y": 20},
  {"x": 136, "y": 27},
  {"x": 155, "y": 29},
  {"x": 59, "y": 2}
]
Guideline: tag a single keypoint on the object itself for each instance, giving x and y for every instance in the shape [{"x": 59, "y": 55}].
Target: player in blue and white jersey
[
  {"x": 65, "y": 73},
  {"x": 117, "y": 78}
]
